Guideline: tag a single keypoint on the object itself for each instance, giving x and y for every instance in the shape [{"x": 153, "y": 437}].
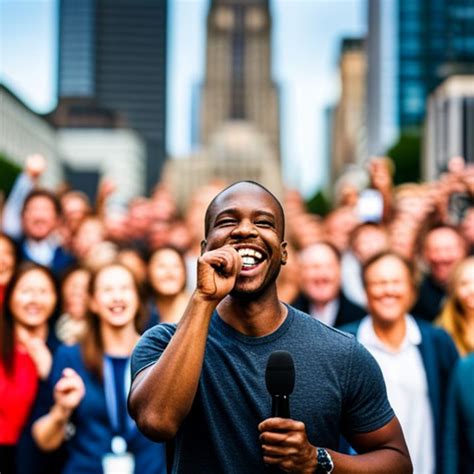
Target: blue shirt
[{"x": 339, "y": 389}]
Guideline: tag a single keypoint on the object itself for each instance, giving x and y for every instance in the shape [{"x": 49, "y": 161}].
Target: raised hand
[
  {"x": 286, "y": 446},
  {"x": 35, "y": 166},
  {"x": 217, "y": 272},
  {"x": 69, "y": 391}
]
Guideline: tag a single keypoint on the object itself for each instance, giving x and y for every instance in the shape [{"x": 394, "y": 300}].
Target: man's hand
[
  {"x": 217, "y": 272},
  {"x": 286, "y": 446},
  {"x": 68, "y": 392},
  {"x": 35, "y": 166}
]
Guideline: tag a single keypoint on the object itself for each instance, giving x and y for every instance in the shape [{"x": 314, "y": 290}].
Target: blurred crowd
[{"x": 79, "y": 283}]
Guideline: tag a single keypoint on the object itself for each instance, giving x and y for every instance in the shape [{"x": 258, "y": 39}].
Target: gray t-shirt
[{"x": 339, "y": 389}]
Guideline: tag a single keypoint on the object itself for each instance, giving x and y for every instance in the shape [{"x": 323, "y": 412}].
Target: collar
[{"x": 368, "y": 337}]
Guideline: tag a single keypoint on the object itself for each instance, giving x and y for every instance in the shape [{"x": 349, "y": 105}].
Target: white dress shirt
[
  {"x": 328, "y": 314},
  {"x": 407, "y": 390}
]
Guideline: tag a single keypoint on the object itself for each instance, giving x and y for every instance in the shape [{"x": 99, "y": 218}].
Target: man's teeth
[
  {"x": 250, "y": 257},
  {"x": 249, "y": 261},
  {"x": 250, "y": 253}
]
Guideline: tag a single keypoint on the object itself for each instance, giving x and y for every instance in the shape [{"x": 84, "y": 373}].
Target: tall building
[
  {"x": 238, "y": 83},
  {"x": 436, "y": 39},
  {"x": 239, "y": 116},
  {"x": 449, "y": 125},
  {"x": 349, "y": 141},
  {"x": 381, "y": 47},
  {"x": 114, "y": 52}
]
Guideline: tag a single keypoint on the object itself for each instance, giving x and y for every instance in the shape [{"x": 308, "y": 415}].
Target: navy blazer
[
  {"x": 62, "y": 259},
  {"x": 439, "y": 355}
]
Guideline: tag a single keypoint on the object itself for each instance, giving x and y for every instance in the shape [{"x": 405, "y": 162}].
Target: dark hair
[
  {"x": 207, "y": 218},
  {"x": 180, "y": 254},
  {"x": 92, "y": 346},
  {"x": 389, "y": 253},
  {"x": 13, "y": 245},
  {"x": 41, "y": 192},
  {"x": 7, "y": 335}
]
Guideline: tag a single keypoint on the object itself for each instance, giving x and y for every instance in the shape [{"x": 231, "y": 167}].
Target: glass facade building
[
  {"x": 436, "y": 39},
  {"x": 114, "y": 51}
]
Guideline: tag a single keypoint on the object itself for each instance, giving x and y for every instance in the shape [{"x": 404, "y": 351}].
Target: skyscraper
[
  {"x": 114, "y": 52},
  {"x": 239, "y": 115},
  {"x": 238, "y": 84},
  {"x": 436, "y": 39},
  {"x": 349, "y": 145}
]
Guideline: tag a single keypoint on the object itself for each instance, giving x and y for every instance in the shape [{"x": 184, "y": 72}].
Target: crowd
[{"x": 79, "y": 284}]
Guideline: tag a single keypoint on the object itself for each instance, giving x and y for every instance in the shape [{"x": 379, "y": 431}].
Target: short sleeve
[
  {"x": 150, "y": 347},
  {"x": 366, "y": 407}
]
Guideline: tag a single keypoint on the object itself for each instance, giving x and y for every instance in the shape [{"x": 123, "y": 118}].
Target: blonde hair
[{"x": 452, "y": 318}]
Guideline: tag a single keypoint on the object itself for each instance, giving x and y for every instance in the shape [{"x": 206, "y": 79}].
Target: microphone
[{"x": 280, "y": 381}]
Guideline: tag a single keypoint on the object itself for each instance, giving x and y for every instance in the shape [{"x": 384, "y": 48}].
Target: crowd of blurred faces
[{"x": 342, "y": 269}]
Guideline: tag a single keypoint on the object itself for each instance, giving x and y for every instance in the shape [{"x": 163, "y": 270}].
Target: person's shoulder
[
  {"x": 150, "y": 346},
  {"x": 435, "y": 332},
  {"x": 162, "y": 331}
]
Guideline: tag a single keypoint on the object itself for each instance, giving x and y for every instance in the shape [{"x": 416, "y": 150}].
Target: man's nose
[{"x": 244, "y": 228}]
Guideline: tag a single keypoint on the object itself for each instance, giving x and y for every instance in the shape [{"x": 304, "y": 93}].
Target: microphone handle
[{"x": 281, "y": 406}]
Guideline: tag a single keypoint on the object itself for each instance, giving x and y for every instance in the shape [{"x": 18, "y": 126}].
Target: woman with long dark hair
[
  {"x": 91, "y": 382},
  {"x": 26, "y": 353}
]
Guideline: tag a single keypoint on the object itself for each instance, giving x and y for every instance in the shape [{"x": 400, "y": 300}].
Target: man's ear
[
  {"x": 203, "y": 246},
  {"x": 284, "y": 252}
]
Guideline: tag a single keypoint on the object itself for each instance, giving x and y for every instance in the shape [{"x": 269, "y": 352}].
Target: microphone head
[{"x": 280, "y": 373}]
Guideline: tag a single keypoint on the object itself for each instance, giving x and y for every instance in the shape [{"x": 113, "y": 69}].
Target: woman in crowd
[
  {"x": 91, "y": 382},
  {"x": 8, "y": 262},
  {"x": 167, "y": 277},
  {"x": 26, "y": 358},
  {"x": 72, "y": 325},
  {"x": 457, "y": 316}
]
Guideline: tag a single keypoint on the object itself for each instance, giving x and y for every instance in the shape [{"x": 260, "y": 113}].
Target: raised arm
[
  {"x": 162, "y": 394},
  {"x": 49, "y": 431}
]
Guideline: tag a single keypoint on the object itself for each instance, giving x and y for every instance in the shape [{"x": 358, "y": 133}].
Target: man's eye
[
  {"x": 225, "y": 221},
  {"x": 265, "y": 223}
]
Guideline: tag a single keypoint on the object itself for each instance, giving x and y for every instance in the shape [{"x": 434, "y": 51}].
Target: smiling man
[
  {"x": 416, "y": 358},
  {"x": 202, "y": 383}
]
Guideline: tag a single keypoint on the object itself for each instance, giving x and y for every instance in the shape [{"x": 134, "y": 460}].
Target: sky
[{"x": 305, "y": 48}]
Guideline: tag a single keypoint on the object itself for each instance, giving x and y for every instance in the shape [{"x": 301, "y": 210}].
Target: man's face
[
  {"x": 320, "y": 274},
  {"x": 443, "y": 250},
  {"x": 39, "y": 218},
  {"x": 369, "y": 242},
  {"x": 248, "y": 218},
  {"x": 389, "y": 289}
]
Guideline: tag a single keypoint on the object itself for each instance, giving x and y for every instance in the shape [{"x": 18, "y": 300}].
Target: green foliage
[
  {"x": 319, "y": 204},
  {"x": 8, "y": 174},
  {"x": 406, "y": 154}
]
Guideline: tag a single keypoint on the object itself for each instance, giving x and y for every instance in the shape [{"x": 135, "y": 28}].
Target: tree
[
  {"x": 8, "y": 174},
  {"x": 406, "y": 155}
]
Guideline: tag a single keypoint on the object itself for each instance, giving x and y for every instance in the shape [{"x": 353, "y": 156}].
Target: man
[
  {"x": 443, "y": 248},
  {"x": 202, "y": 383},
  {"x": 322, "y": 297},
  {"x": 32, "y": 218},
  {"x": 416, "y": 358}
]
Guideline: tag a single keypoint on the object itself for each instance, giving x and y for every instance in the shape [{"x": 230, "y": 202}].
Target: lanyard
[{"x": 111, "y": 396}]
